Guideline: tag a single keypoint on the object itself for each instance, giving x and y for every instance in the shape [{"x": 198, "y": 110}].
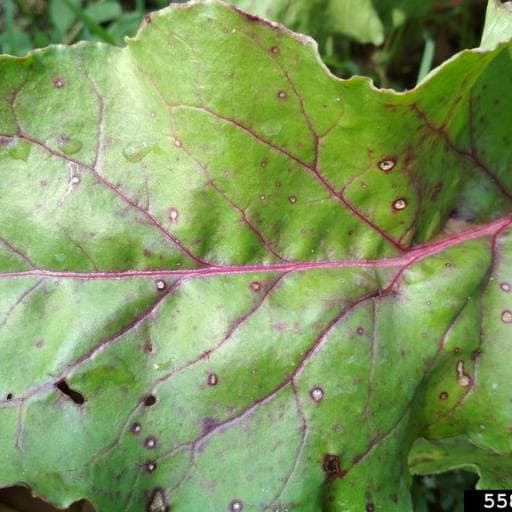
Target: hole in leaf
[
  {"x": 331, "y": 465},
  {"x": 9, "y": 396},
  {"x": 64, "y": 388},
  {"x": 19, "y": 498},
  {"x": 149, "y": 400}
]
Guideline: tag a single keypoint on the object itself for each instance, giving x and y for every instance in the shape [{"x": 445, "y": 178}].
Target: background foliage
[{"x": 398, "y": 53}]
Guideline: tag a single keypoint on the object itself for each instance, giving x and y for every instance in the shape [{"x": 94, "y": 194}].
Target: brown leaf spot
[
  {"x": 506, "y": 287},
  {"x": 255, "y": 286},
  {"x": 209, "y": 424},
  {"x": 59, "y": 83},
  {"x": 150, "y": 466},
  {"x": 400, "y": 204},
  {"x": 212, "y": 379},
  {"x": 149, "y": 400},
  {"x": 506, "y": 316},
  {"x": 387, "y": 164},
  {"x": 236, "y": 506},
  {"x": 158, "y": 501},
  {"x": 331, "y": 464},
  {"x": 135, "y": 428},
  {"x": 463, "y": 379},
  {"x": 75, "y": 396},
  {"x": 443, "y": 395},
  {"x": 173, "y": 215},
  {"x": 476, "y": 354},
  {"x": 317, "y": 394},
  {"x": 150, "y": 442}
]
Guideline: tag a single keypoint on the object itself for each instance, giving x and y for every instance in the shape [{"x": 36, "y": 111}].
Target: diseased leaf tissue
[{"x": 227, "y": 281}]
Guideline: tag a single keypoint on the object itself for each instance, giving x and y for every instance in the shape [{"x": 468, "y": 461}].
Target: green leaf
[
  {"x": 126, "y": 24},
  {"x": 104, "y": 11},
  {"x": 395, "y": 12},
  {"x": 61, "y": 15},
  {"x": 498, "y": 24},
  {"x": 431, "y": 457},
  {"x": 228, "y": 280}
]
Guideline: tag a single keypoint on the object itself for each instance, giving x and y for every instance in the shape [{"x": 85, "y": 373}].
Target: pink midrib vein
[{"x": 415, "y": 254}]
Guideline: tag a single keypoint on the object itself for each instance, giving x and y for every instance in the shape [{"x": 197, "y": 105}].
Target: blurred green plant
[
  {"x": 443, "y": 492},
  {"x": 28, "y": 24}
]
